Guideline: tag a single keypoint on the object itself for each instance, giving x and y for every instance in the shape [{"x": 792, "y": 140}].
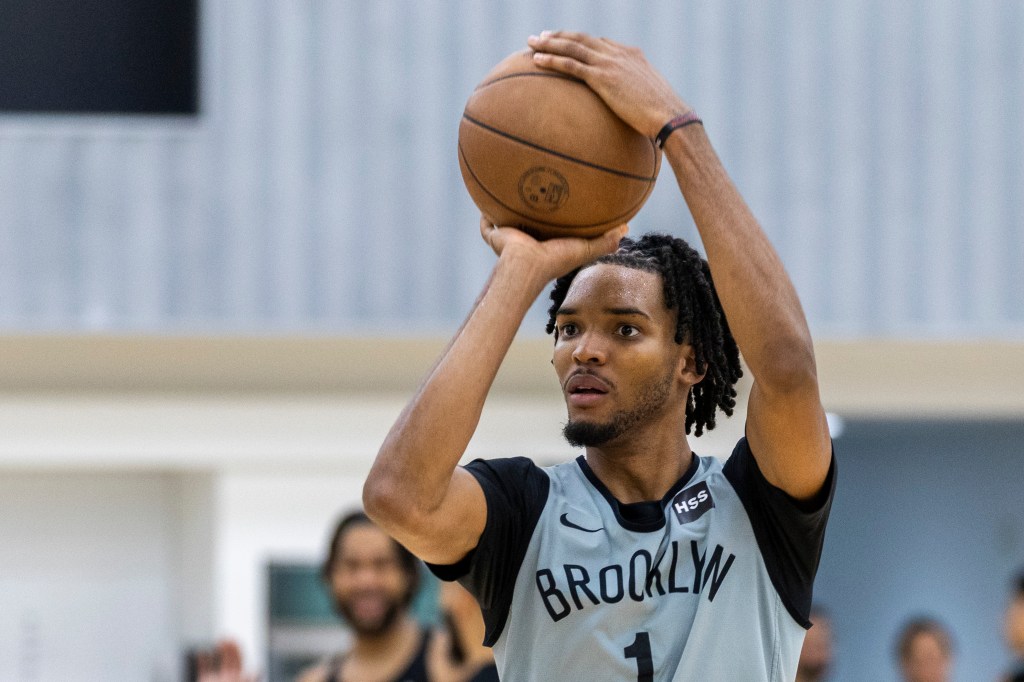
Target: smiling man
[
  {"x": 372, "y": 580},
  {"x": 640, "y": 559}
]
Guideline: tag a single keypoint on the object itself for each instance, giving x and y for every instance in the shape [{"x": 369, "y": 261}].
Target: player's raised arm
[
  {"x": 415, "y": 490},
  {"x": 785, "y": 422}
]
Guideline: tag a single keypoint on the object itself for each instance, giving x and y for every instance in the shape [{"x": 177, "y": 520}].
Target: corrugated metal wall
[{"x": 881, "y": 144}]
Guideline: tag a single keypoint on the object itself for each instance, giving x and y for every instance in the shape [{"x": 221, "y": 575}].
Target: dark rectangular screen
[{"x": 99, "y": 56}]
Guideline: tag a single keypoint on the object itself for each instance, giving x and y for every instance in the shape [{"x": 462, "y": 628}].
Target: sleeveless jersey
[{"x": 713, "y": 582}]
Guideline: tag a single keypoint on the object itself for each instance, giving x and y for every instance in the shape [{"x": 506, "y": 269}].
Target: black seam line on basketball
[
  {"x": 559, "y": 76},
  {"x": 563, "y": 226},
  {"x": 572, "y": 79},
  {"x": 560, "y": 155}
]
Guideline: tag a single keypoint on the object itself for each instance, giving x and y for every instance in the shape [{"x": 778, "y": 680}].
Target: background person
[
  {"x": 372, "y": 580},
  {"x": 1013, "y": 628},
  {"x": 924, "y": 649},
  {"x": 816, "y": 656}
]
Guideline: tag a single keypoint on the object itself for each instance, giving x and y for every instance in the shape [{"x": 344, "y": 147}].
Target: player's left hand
[
  {"x": 552, "y": 257},
  {"x": 620, "y": 74}
]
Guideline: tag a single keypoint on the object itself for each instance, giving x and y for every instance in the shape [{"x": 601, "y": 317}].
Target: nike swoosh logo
[{"x": 564, "y": 519}]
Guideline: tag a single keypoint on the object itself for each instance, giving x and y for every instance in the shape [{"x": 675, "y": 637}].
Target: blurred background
[{"x": 233, "y": 235}]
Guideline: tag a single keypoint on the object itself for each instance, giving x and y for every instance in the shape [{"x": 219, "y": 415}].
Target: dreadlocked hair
[{"x": 700, "y": 320}]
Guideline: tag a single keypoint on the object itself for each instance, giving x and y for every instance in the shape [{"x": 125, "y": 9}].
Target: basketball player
[
  {"x": 639, "y": 560},
  {"x": 373, "y": 579}
]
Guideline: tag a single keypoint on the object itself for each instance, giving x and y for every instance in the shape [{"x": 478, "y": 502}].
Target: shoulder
[
  {"x": 504, "y": 467},
  {"x": 510, "y": 479},
  {"x": 746, "y": 477}
]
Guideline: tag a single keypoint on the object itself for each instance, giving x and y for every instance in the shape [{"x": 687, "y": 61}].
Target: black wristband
[{"x": 689, "y": 118}]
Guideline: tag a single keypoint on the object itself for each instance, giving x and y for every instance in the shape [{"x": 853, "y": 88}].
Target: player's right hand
[
  {"x": 619, "y": 74},
  {"x": 553, "y": 257}
]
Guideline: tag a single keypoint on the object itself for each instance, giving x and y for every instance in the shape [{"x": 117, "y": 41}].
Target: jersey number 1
[{"x": 640, "y": 649}]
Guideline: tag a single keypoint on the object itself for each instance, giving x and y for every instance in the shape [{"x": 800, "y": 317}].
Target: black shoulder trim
[
  {"x": 790, "y": 533},
  {"x": 516, "y": 491}
]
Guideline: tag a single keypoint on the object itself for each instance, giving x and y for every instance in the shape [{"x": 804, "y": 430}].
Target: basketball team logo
[{"x": 543, "y": 189}]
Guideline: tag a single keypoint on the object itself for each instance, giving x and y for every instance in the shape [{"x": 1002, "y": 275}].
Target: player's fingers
[
  {"x": 488, "y": 231},
  {"x": 565, "y": 47},
  {"x": 609, "y": 44},
  {"x": 609, "y": 241},
  {"x": 588, "y": 250},
  {"x": 574, "y": 36},
  {"x": 566, "y": 65}
]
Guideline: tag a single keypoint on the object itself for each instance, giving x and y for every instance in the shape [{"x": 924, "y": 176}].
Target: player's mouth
[{"x": 584, "y": 390}]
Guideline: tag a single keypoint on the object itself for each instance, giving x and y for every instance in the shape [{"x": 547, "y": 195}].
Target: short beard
[
  {"x": 372, "y": 628},
  {"x": 582, "y": 434}
]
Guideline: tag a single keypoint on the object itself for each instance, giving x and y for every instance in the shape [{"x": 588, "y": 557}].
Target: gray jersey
[{"x": 713, "y": 582}]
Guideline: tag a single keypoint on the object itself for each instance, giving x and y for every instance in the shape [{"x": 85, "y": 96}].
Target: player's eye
[
  {"x": 628, "y": 330},
  {"x": 568, "y": 329}
]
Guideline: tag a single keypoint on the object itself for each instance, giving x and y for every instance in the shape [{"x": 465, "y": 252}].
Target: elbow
[
  {"x": 379, "y": 499},
  {"x": 392, "y": 506},
  {"x": 391, "y": 499}
]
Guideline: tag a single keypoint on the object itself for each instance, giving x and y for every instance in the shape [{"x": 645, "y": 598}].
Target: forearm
[
  {"x": 414, "y": 466},
  {"x": 759, "y": 300}
]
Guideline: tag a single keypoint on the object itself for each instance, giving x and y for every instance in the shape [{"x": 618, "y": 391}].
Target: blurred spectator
[
  {"x": 459, "y": 655},
  {"x": 925, "y": 651},
  {"x": 1013, "y": 628},
  {"x": 373, "y": 579},
  {"x": 816, "y": 655},
  {"x": 222, "y": 663}
]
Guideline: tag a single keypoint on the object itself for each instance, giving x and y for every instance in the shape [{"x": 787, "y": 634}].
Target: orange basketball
[{"x": 541, "y": 151}]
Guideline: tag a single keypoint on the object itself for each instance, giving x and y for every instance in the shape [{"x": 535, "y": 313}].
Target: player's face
[
  {"x": 616, "y": 356},
  {"x": 369, "y": 584}
]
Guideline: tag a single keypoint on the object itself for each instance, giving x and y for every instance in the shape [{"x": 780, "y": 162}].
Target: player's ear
[{"x": 688, "y": 366}]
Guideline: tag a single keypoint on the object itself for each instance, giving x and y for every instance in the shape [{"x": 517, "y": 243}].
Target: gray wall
[
  {"x": 927, "y": 520},
  {"x": 880, "y": 143}
]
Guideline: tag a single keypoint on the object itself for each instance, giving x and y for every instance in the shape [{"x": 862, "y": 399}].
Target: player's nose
[{"x": 589, "y": 350}]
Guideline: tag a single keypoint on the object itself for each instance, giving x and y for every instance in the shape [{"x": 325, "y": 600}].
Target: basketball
[{"x": 541, "y": 151}]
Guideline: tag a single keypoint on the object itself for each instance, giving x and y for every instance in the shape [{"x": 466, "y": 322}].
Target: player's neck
[{"x": 642, "y": 467}]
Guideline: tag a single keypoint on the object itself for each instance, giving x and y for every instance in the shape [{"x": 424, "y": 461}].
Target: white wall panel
[
  {"x": 881, "y": 144},
  {"x": 88, "y": 588}
]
